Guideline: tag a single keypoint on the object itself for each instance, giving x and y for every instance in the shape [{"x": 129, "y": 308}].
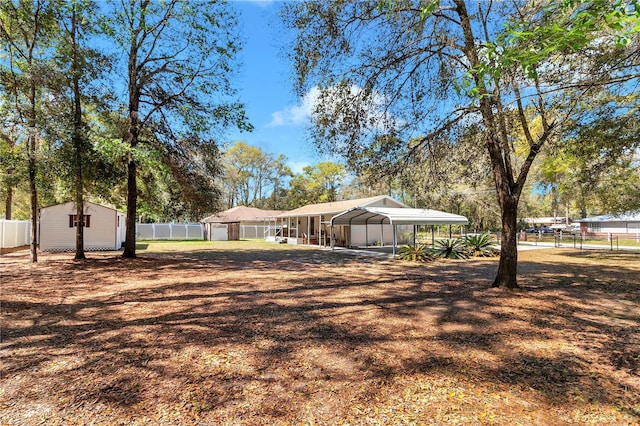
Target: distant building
[
  {"x": 238, "y": 222},
  {"x": 621, "y": 225}
]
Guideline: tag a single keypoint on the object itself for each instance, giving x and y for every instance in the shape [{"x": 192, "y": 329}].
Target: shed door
[
  {"x": 234, "y": 231},
  {"x": 219, "y": 233}
]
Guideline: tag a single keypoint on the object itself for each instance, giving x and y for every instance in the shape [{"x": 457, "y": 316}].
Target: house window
[
  {"x": 594, "y": 227},
  {"x": 73, "y": 220},
  {"x": 312, "y": 228}
]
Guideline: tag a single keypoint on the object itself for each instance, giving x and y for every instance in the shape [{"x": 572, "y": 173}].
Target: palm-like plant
[
  {"x": 416, "y": 253},
  {"x": 480, "y": 245},
  {"x": 451, "y": 248}
]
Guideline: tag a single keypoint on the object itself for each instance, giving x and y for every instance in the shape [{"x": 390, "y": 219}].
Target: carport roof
[{"x": 397, "y": 216}]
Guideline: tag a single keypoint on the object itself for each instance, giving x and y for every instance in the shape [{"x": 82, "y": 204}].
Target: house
[
  {"x": 237, "y": 222},
  {"x": 311, "y": 224},
  {"x": 104, "y": 227},
  {"x": 624, "y": 225},
  {"x": 369, "y": 221}
]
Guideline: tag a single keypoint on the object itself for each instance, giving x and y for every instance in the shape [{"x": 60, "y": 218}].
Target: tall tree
[
  {"x": 179, "y": 60},
  {"x": 253, "y": 177},
  {"x": 401, "y": 68},
  {"x": 280, "y": 173},
  {"x": 318, "y": 183},
  {"x": 245, "y": 173},
  {"x": 11, "y": 160},
  {"x": 26, "y": 31},
  {"x": 79, "y": 68}
]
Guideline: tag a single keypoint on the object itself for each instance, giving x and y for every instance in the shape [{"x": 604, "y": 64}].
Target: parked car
[{"x": 541, "y": 230}]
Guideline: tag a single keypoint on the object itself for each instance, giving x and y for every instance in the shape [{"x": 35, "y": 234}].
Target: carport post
[
  {"x": 331, "y": 235},
  {"x": 415, "y": 228},
  {"x": 395, "y": 239},
  {"x": 366, "y": 233}
]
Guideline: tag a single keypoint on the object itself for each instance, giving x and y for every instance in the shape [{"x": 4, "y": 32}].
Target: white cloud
[
  {"x": 297, "y": 166},
  {"x": 296, "y": 115},
  {"x": 336, "y": 99}
]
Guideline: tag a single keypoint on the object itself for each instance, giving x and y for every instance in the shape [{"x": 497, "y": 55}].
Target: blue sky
[{"x": 265, "y": 86}]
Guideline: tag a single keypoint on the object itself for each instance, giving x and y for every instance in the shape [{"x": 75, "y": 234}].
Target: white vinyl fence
[
  {"x": 14, "y": 233},
  {"x": 169, "y": 231},
  {"x": 255, "y": 231}
]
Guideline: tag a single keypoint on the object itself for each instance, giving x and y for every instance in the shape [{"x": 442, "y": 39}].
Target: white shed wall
[{"x": 56, "y": 235}]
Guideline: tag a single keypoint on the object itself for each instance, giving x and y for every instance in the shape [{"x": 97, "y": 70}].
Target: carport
[{"x": 394, "y": 216}]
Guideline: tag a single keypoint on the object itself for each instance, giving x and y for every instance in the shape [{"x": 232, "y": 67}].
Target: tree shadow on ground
[{"x": 248, "y": 334}]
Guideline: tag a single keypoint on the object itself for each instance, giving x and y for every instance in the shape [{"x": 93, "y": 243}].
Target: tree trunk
[
  {"x": 33, "y": 245},
  {"x": 80, "y": 228},
  {"x": 77, "y": 144},
  {"x": 507, "y": 268},
  {"x": 32, "y": 147},
  {"x": 132, "y": 141},
  {"x": 8, "y": 202},
  {"x": 132, "y": 200}
]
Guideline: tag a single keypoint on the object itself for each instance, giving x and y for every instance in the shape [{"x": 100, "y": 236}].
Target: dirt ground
[{"x": 249, "y": 333}]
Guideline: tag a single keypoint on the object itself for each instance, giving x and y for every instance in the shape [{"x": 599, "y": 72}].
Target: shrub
[
  {"x": 416, "y": 253},
  {"x": 453, "y": 248},
  {"x": 480, "y": 245}
]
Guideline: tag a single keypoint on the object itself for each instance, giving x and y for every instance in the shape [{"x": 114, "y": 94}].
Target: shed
[
  {"x": 104, "y": 227},
  {"x": 238, "y": 222}
]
